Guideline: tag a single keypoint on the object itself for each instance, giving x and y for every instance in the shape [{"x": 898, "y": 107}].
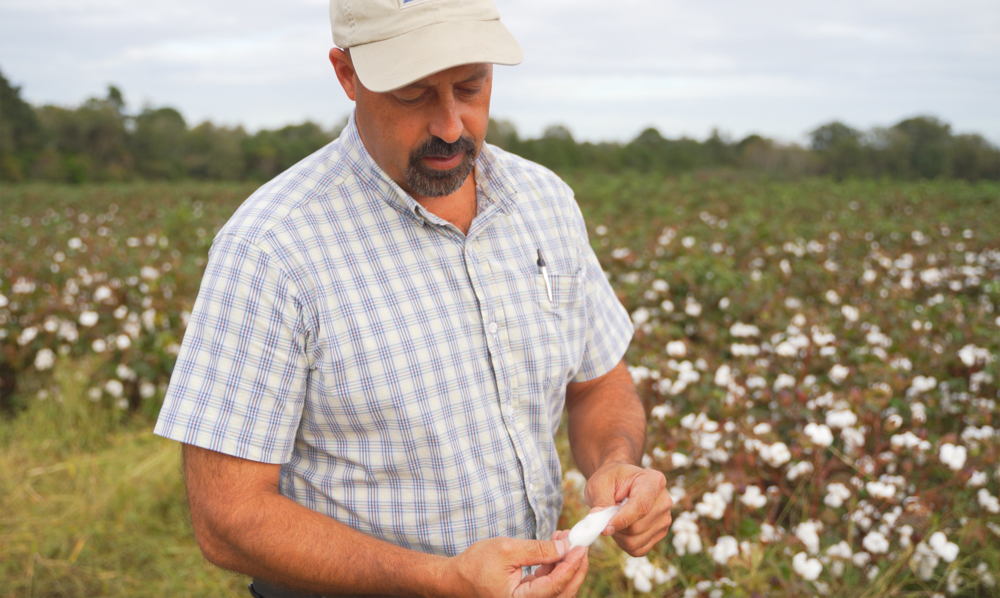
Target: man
[{"x": 386, "y": 335}]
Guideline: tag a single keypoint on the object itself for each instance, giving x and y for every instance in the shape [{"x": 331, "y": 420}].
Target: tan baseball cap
[{"x": 396, "y": 42}]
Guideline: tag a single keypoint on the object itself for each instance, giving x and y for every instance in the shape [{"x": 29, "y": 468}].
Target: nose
[{"x": 446, "y": 123}]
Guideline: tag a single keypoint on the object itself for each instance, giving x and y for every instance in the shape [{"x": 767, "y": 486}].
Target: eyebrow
[{"x": 479, "y": 73}]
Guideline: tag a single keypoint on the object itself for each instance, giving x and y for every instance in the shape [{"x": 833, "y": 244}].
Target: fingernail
[
  {"x": 562, "y": 547},
  {"x": 609, "y": 530}
]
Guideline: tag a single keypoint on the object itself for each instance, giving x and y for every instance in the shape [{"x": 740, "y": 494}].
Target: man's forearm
[
  {"x": 274, "y": 538},
  {"x": 607, "y": 422},
  {"x": 243, "y": 524}
]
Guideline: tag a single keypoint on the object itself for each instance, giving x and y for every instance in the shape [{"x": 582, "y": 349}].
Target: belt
[{"x": 265, "y": 589}]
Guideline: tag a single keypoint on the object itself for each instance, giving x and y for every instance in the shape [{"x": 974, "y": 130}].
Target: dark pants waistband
[{"x": 265, "y": 589}]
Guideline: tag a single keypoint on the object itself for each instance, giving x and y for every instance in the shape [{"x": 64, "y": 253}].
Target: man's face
[{"x": 426, "y": 135}]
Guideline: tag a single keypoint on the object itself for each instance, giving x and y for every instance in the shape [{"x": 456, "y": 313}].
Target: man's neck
[{"x": 459, "y": 208}]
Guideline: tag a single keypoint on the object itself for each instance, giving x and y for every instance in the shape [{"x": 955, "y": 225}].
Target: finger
[
  {"x": 528, "y": 553},
  {"x": 573, "y": 587},
  {"x": 643, "y": 495},
  {"x": 543, "y": 570},
  {"x": 556, "y": 582},
  {"x": 657, "y": 516},
  {"x": 639, "y": 544}
]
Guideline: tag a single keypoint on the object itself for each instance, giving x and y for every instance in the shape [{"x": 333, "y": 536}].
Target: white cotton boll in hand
[{"x": 591, "y": 526}]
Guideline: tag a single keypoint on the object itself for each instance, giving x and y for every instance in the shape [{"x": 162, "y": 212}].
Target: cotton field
[{"x": 819, "y": 364}]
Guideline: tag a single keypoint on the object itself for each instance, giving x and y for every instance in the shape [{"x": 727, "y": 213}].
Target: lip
[{"x": 444, "y": 163}]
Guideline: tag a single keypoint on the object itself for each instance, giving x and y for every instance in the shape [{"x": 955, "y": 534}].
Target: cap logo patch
[{"x": 408, "y": 3}]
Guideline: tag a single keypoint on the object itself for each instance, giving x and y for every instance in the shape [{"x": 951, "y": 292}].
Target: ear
[{"x": 344, "y": 68}]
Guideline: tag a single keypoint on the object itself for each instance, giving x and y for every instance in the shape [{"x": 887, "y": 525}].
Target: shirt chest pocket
[{"x": 564, "y": 322}]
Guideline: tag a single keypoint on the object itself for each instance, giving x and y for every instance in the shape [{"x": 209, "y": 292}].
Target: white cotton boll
[
  {"x": 99, "y": 346},
  {"x": 988, "y": 501},
  {"x": 114, "y": 388},
  {"x": 776, "y": 454},
  {"x": 741, "y": 330},
  {"x": 661, "y": 577},
  {"x": 784, "y": 381},
  {"x": 971, "y": 355},
  {"x": 808, "y": 532},
  {"x": 712, "y": 505},
  {"x": 875, "y": 543},
  {"x": 686, "y": 538},
  {"x": 647, "y": 461},
  {"x": 802, "y": 468},
  {"x": 723, "y": 376},
  {"x": 102, "y": 293},
  {"x": 122, "y": 341},
  {"x": 880, "y": 490},
  {"x": 953, "y": 456},
  {"x": 893, "y": 422},
  {"x": 921, "y": 384},
  {"x": 726, "y": 548},
  {"x": 642, "y": 583},
  {"x": 976, "y": 480},
  {"x": 841, "y": 418},
  {"x": 837, "y": 493},
  {"x": 44, "y": 359},
  {"x": 88, "y": 318},
  {"x": 726, "y": 490},
  {"x": 676, "y": 493},
  {"x": 640, "y": 316},
  {"x": 838, "y": 373},
  {"x": 807, "y": 568},
  {"x": 676, "y": 349},
  {"x": 667, "y": 306},
  {"x": 840, "y": 550},
  {"x": 948, "y": 551},
  {"x": 147, "y": 389},
  {"x": 663, "y": 411},
  {"x": 679, "y": 460},
  {"x": 819, "y": 434},
  {"x": 861, "y": 559},
  {"x": 762, "y": 428},
  {"x": 692, "y": 308},
  {"x": 753, "y": 498},
  {"x": 909, "y": 440},
  {"x": 590, "y": 527}
]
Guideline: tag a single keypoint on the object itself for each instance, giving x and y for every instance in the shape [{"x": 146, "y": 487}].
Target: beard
[{"x": 431, "y": 182}]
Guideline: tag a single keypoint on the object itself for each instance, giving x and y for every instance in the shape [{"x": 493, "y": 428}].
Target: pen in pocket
[{"x": 544, "y": 271}]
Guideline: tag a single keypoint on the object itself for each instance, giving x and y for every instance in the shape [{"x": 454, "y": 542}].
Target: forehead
[{"x": 456, "y": 74}]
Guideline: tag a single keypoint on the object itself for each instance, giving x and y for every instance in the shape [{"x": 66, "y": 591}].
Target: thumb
[{"x": 528, "y": 553}]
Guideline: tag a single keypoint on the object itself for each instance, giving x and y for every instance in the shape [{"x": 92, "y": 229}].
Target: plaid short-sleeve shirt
[{"x": 408, "y": 378}]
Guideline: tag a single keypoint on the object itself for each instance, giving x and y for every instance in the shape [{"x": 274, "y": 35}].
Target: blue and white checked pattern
[{"x": 409, "y": 378}]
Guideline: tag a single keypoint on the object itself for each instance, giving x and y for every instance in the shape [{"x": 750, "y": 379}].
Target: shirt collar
[{"x": 491, "y": 176}]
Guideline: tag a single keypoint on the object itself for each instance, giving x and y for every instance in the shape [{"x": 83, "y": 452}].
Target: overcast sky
[{"x": 604, "y": 69}]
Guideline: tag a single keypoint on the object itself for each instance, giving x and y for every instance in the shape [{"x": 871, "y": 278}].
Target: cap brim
[{"x": 393, "y": 63}]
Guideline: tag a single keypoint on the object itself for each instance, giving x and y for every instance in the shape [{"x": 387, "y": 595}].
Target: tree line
[{"x": 100, "y": 140}]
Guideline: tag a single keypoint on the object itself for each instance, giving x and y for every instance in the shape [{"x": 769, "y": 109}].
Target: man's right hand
[{"x": 493, "y": 568}]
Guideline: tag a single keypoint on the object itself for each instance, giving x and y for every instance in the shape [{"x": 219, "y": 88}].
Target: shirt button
[{"x": 493, "y": 327}]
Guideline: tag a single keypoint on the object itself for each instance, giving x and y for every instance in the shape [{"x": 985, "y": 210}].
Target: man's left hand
[{"x": 645, "y": 519}]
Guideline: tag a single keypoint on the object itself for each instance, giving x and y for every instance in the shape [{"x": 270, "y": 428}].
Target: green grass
[{"x": 93, "y": 505}]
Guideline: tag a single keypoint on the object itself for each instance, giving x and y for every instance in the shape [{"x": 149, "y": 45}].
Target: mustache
[{"x": 435, "y": 147}]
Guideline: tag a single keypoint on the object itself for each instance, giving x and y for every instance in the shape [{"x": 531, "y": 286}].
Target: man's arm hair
[
  {"x": 607, "y": 422},
  {"x": 243, "y": 524}
]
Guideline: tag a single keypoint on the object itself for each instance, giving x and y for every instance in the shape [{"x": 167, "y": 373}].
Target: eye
[{"x": 411, "y": 99}]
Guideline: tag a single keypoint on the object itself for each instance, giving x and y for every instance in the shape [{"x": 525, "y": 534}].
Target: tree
[{"x": 21, "y": 133}]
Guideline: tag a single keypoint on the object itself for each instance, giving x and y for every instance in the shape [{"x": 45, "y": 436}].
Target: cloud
[{"x": 776, "y": 67}]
